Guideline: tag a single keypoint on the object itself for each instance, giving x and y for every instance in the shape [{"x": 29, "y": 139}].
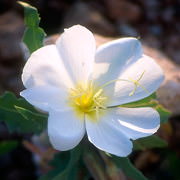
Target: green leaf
[
  {"x": 7, "y": 146},
  {"x": 31, "y": 15},
  {"x": 34, "y": 35},
  {"x": 20, "y": 116},
  {"x": 70, "y": 172},
  {"x": 8, "y": 100},
  {"x": 34, "y": 121},
  {"x": 65, "y": 165},
  {"x": 128, "y": 168},
  {"x": 59, "y": 163},
  {"x": 164, "y": 113},
  {"x": 149, "y": 142},
  {"x": 173, "y": 164},
  {"x": 33, "y": 38},
  {"x": 150, "y": 101}
]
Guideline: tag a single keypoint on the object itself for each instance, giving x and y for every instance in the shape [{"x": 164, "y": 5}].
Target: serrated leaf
[
  {"x": 7, "y": 146},
  {"x": 149, "y": 142},
  {"x": 128, "y": 168},
  {"x": 34, "y": 35},
  {"x": 31, "y": 14},
  {"x": 33, "y": 38},
  {"x": 20, "y": 116}
]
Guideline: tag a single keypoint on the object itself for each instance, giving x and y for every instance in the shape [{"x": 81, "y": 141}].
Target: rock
[
  {"x": 126, "y": 30},
  {"x": 152, "y": 41},
  {"x": 172, "y": 47},
  {"x": 169, "y": 92},
  {"x": 84, "y": 14}
]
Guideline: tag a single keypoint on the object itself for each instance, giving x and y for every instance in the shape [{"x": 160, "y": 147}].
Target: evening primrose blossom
[{"x": 83, "y": 89}]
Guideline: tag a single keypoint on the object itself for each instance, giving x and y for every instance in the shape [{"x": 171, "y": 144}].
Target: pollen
[{"x": 87, "y": 99}]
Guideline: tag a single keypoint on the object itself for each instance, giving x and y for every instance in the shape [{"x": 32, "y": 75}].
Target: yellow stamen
[
  {"x": 130, "y": 80},
  {"x": 136, "y": 84},
  {"x": 88, "y": 99}
]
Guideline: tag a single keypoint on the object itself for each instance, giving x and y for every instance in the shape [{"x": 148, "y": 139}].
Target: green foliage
[
  {"x": 164, "y": 113},
  {"x": 150, "y": 101},
  {"x": 128, "y": 168},
  {"x": 65, "y": 166},
  {"x": 149, "y": 142},
  {"x": 20, "y": 116},
  {"x": 70, "y": 172},
  {"x": 173, "y": 162},
  {"x": 7, "y": 146},
  {"x": 59, "y": 163},
  {"x": 33, "y": 35}
]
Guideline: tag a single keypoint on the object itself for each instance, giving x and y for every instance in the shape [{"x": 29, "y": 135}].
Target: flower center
[
  {"x": 87, "y": 99},
  {"x": 91, "y": 100}
]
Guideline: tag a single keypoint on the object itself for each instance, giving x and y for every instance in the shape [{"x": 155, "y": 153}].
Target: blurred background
[{"x": 155, "y": 22}]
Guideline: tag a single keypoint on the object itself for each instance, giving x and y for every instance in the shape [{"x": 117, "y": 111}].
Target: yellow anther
[
  {"x": 87, "y": 99},
  {"x": 136, "y": 84},
  {"x": 98, "y": 93}
]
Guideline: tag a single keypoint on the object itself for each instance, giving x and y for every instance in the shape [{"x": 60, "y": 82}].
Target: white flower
[{"x": 81, "y": 87}]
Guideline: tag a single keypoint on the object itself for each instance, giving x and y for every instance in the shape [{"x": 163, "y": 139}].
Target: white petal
[
  {"x": 77, "y": 48},
  {"x": 45, "y": 67},
  {"x": 114, "y": 57},
  {"x": 65, "y": 130},
  {"x": 136, "y": 122},
  {"x": 151, "y": 78},
  {"x": 46, "y": 97},
  {"x": 106, "y": 136}
]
